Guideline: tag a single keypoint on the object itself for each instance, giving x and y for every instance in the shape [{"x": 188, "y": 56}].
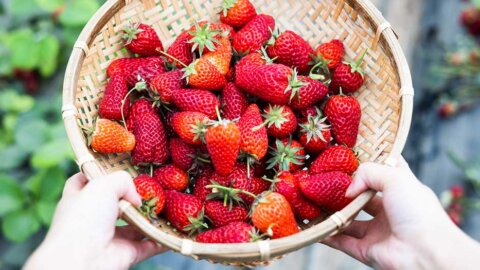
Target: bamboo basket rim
[{"x": 244, "y": 252}]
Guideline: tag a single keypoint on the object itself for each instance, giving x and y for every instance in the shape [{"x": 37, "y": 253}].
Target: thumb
[{"x": 372, "y": 176}]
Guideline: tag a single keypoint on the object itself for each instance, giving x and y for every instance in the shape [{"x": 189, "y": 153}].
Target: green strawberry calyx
[
  {"x": 227, "y": 5},
  {"x": 283, "y": 155},
  {"x": 356, "y": 66},
  {"x": 274, "y": 116},
  {"x": 204, "y": 37},
  {"x": 228, "y": 194},
  {"x": 314, "y": 127},
  {"x": 265, "y": 56},
  {"x": 196, "y": 223},
  {"x": 130, "y": 32},
  {"x": 294, "y": 85}
]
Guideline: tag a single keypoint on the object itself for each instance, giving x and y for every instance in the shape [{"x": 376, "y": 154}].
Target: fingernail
[{"x": 350, "y": 190}]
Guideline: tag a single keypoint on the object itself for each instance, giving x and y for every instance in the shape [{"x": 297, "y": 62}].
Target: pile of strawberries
[{"x": 239, "y": 132}]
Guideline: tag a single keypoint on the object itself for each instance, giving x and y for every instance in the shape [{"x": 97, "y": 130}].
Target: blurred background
[{"x": 440, "y": 39}]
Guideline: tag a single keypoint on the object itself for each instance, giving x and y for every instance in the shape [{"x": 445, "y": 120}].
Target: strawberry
[
  {"x": 287, "y": 185},
  {"x": 190, "y": 126},
  {"x": 152, "y": 194},
  {"x": 336, "y": 158},
  {"x": 203, "y": 36},
  {"x": 344, "y": 113},
  {"x": 287, "y": 155},
  {"x": 167, "y": 119},
  {"x": 221, "y": 215},
  {"x": 348, "y": 77},
  {"x": 182, "y": 153},
  {"x": 254, "y": 142},
  {"x": 310, "y": 111},
  {"x": 280, "y": 121},
  {"x": 221, "y": 57},
  {"x": 301, "y": 176},
  {"x": 181, "y": 50},
  {"x": 112, "y": 106},
  {"x": 260, "y": 168},
  {"x": 141, "y": 39},
  {"x": 223, "y": 143},
  {"x": 139, "y": 107},
  {"x": 254, "y": 34},
  {"x": 111, "y": 137},
  {"x": 127, "y": 66},
  {"x": 470, "y": 19},
  {"x": 204, "y": 75},
  {"x": 270, "y": 83},
  {"x": 165, "y": 84},
  {"x": 171, "y": 177},
  {"x": 291, "y": 50},
  {"x": 258, "y": 185},
  {"x": 327, "y": 189},
  {"x": 234, "y": 102},
  {"x": 243, "y": 70},
  {"x": 184, "y": 211},
  {"x": 273, "y": 215},
  {"x": 151, "y": 147},
  {"x": 237, "y": 13},
  {"x": 309, "y": 94},
  {"x": 236, "y": 232},
  {"x": 200, "y": 189},
  {"x": 329, "y": 55},
  {"x": 145, "y": 73},
  {"x": 196, "y": 101},
  {"x": 314, "y": 135},
  {"x": 230, "y": 76}
]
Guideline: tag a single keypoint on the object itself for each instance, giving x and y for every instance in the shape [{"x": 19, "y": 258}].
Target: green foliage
[{"x": 77, "y": 13}]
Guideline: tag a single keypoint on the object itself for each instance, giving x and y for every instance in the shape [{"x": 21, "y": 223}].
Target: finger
[
  {"x": 74, "y": 184},
  {"x": 121, "y": 184},
  {"x": 133, "y": 252},
  {"x": 402, "y": 163},
  {"x": 357, "y": 229},
  {"x": 375, "y": 206},
  {"x": 373, "y": 176},
  {"x": 347, "y": 244},
  {"x": 147, "y": 249},
  {"x": 128, "y": 232}
]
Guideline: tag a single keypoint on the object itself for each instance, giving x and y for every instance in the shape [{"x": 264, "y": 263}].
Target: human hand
[
  {"x": 409, "y": 229},
  {"x": 83, "y": 233}
]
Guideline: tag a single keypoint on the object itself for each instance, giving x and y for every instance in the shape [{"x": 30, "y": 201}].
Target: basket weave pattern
[{"x": 316, "y": 21}]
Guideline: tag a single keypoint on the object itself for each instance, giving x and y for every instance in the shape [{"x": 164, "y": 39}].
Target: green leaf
[
  {"x": 48, "y": 58},
  {"x": 23, "y": 8},
  {"x": 70, "y": 35},
  {"x": 11, "y": 101},
  {"x": 12, "y": 197},
  {"x": 77, "y": 13},
  {"x": 30, "y": 135},
  {"x": 12, "y": 157},
  {"x": 23, "y": 48},
  {"x": 19, "y": 226},
  {"x": 120, "y": 223},
  {"x": 51, "y": 154},
  {"x": 5, "y": 63},
  {"x": 476, "y": 3},
  {"x": 45, "y": 211},
  {"x": 49, "y": 5},
  {"x": 52, "y": 184}
]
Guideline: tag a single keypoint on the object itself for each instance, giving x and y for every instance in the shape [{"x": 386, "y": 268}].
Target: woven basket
[{"x": 386, "y": 99}]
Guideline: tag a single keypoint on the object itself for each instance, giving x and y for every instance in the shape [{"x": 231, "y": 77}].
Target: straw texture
[{"x": 386, "y": 98}]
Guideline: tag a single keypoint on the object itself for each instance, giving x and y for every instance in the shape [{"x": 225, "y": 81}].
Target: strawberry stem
[{"x": 174, "y": 58}]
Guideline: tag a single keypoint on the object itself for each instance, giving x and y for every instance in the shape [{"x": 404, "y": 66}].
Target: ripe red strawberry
[
  {"x": 221, "y": 215},
  {"x": 273, "y": 215},
  {"x": 141, "y": 39},
  {"x": 190, "y": 126},
  {"x": 139, "y": 107},
  {"x": 151, "y": 146},
  {"x": 309, "y": 94},
  {"x": 254, "y": 140},
  {"x": 184, "y": 211},
  {"x": 327, "y": 189},
  {"x": 287, "y": 155},
  {"x": 234, "y": 102},
  {"x": 223, "y": 144},
  {"x": 348, "y": 77},
  {"x": 145, "y": 73},
  {"x": 280, "y": 121},
  {"x": 167, "y": 119},
  {"x": 127, "y": 66},
  {"x": 336, "y": 158},
  {"x": 330, "y": 54},
  {"x": 113, "y": 103},
  {"x": 237, "y": 13},
  {"x": 237, "y": 232},
  {"x": 254, "y": 34},
  {"x": 344, "y": 113},
  {"x": 165, "y": 84},
  {"x": 204, "y": 75},
  {"x": 303, "y": 208},
  {"x": 152, "y": 194},
  {"x": 111, "y": 137},
  {"x": 271, "y": 83},
  {"x": 171, "y": 177},
  {"x": 258, "y": 185},
  {"x": 314, "y": 135},
  {"x": 301, "y": 176},
  {"x": 260, "y": 168},
  {"x": 221, "y": 56},
  {"x": 181, "y": 50},
  {"x": 470, "y": 19},
  {"x": 244, "y": 68},
  {"x": 182, "y": 153},
  {"x": 230, "y": 76},
  {"x": 291, "y": 50},
  {"x": 239, "y": 179},
  {"x": 195, "y": 100},
  {"x": 310, "y": 111},
  {"x": 200, "y": 189}
]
